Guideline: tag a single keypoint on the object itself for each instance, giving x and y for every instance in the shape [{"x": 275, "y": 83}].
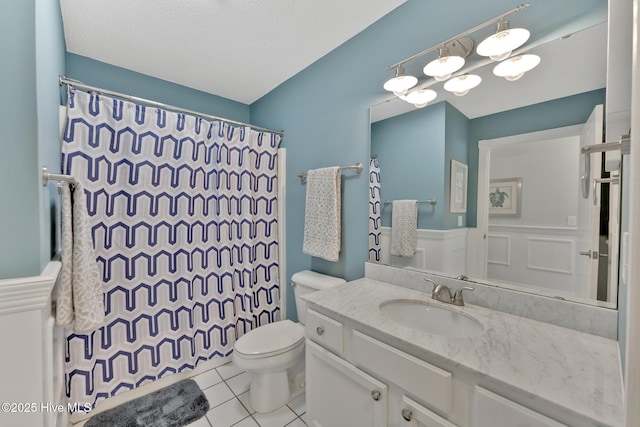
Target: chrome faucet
[
  {"x": 457, "y": 297},
  {"x": 442, "y": 293}
]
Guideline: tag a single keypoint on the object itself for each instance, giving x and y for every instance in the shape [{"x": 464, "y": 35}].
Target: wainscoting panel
[
  {"x": 554, "y": 255},
  {"x": 26, "y": 361},
  {"x": 499, "y": 249},
  {"x": 437, "y": 250},
  {"x": 542, "y": 257}
]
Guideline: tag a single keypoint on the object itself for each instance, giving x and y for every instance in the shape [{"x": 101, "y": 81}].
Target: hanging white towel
[
  {"x": 322, "y": 214},
  {"x": 79, "y": 290},
  {"x": 404, "y": 227}
]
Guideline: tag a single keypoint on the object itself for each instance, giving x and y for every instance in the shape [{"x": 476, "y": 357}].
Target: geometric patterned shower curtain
[
  {"x": 374, "y": 211},
  {"x": 183, "y": 213}
]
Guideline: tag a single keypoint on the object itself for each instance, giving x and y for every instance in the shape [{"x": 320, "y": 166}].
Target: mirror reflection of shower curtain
[
  {"x": 184, "y": 221},
  {"x": 374, "y": 210}
]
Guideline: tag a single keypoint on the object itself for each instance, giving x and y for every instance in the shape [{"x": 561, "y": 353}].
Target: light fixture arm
[{"x": 461, "y": 35}]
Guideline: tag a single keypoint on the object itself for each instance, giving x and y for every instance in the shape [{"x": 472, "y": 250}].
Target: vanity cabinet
[
  {"x": 339, "y": 394},
  {"x": 354, "y": 379}
]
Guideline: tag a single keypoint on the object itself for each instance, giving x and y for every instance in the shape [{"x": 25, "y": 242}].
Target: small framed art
[
  {"x": 458, "y": 187},
  {"x": 505, "y": 197}
]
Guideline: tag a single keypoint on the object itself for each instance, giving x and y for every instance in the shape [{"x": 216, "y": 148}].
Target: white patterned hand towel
[
  {"x": 80, "y": 293},
  {"x": 322, "y": 214},
  {"x": 404, "y": 227}
]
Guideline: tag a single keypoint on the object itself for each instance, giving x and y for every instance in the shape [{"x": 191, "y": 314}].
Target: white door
[
  {"x": 339, "y": 394},
  {"x": 588, "y": 221}
]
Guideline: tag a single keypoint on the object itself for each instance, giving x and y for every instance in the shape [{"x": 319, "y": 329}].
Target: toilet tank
[{"x": 307, "y": 281}]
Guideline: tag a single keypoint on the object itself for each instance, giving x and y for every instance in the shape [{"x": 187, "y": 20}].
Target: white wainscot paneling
[
  {"x": 536, "y": 256},
  {"x": 437, "y": 250},
  {"x": 553, "y": 255},
  {"x": 27, "y": 361},
  {"x": 499, "y": 249}
]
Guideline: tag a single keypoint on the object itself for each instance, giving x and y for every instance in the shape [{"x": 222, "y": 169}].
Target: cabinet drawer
[
  {"x": 420, "y": 379},
  {"x": 415, "y": 415},
  {"x": 496, "y": 411},
  {"x": 325, "y": 331}
]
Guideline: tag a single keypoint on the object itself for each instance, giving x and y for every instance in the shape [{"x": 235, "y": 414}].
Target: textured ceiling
[{"x": 237, "y": 49}]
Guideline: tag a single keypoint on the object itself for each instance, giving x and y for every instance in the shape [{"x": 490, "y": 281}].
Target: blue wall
[
  {"x": 19, "y": 209},
  {"x": 105, "y": 76},
  {"x": 456, "y": 148},
  {"x": 50, "y": 63},
  {"x": 411, "y": 155}
]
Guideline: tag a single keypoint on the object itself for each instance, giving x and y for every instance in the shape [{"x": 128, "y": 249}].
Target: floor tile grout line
[
  {"x": 222, "y": 403},
  {"x": 248, "y": 416}
]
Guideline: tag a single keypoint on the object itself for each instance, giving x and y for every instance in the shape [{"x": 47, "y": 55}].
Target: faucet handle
[
  {"x": 457, "y": 297},
  {"x": 433, "y": 282}
]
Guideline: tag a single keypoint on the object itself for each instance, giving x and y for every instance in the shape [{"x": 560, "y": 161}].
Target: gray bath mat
[{"x": 174, "y": 406}]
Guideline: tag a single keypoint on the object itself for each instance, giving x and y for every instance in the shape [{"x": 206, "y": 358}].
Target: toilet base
[{"x": 269, "y": 391}]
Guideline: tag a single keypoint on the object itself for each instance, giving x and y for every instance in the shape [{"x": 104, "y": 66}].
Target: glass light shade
[
  {"x": 401, "y": 83},
  {"x": 514, "y": 68},
  {"x": 420, "y": 97},
  {"x": 442, "y": 67},
  {"x": 500, "y": 45},
  {"x": 462, "y": 84}
]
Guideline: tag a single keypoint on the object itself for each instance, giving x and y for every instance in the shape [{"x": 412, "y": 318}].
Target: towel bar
[
  {"x": 433, "y": 202},
  {"x": 357, "y": 167},
  {"x": 46, "y": 177}
]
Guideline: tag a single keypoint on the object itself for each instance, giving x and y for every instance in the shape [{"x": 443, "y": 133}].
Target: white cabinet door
[
  {"x": 341, "y": 395},
  {"x": 496, "y": 411}
]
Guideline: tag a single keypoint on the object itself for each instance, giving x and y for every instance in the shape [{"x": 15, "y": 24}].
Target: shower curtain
[
  {"x": 183, "y": 216},
  {"x": 374, "y": 211}
]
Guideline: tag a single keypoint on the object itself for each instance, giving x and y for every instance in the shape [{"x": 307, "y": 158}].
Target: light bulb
[
  {"x": 442, "y": 67},
  {"x": 515, "y": 67},
  {"x": 461, "y": 85},
  {"x": 401, "y": 83},
  {"x": 420, "y": 97},
  {"x": 500, "y": 45}
]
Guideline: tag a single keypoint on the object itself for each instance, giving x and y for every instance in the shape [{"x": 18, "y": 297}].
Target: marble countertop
[{"x": 575, "y": 370}]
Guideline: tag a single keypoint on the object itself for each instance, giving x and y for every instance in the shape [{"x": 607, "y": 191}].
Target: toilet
[{"x": 274, "y": 353}]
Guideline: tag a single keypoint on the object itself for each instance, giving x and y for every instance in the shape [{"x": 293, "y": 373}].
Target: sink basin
[{"x": 431, "y": 318}]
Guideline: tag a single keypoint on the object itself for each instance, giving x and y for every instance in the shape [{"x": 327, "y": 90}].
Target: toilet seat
[{"x": 270, "y": 340}]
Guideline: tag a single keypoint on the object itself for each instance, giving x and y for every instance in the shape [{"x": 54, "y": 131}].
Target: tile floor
[{"x": 227, "y": 389}]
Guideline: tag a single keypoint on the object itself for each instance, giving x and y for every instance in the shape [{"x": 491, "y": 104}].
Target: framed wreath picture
[
  {"x": 505, "y": 197},
  {"x": 458, "y": 187}
]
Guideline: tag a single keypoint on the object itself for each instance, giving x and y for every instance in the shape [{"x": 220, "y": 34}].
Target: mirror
[{"x": 523, "y": 226}]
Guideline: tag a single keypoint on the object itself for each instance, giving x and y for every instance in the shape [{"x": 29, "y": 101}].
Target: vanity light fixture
[
  {"x": 452, "y": 54},
  {"x": 420, "y": 97},
  {"x": 515, "y": 67},
  {"x": 401, "y": 83},
  {"x": 442, "y": 67},
  {"x": 461, "y": 85},
  {"x": 500, "y": 45}
]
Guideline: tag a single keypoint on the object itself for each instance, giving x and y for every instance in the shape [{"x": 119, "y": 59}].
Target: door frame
[{"x": 477, "y": 239}]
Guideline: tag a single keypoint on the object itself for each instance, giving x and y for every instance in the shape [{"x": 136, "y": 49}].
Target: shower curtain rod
[{"x": 64, "y": 80}]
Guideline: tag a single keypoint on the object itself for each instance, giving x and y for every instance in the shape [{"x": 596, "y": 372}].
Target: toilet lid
[{"x": 276, "y": 337}]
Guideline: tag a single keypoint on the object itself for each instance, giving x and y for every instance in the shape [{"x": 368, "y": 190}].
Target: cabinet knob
[
  {"x": 375, "y": 394},
  {"x": 407, "y": 414},
  {"x": 319, "y": 330}
]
